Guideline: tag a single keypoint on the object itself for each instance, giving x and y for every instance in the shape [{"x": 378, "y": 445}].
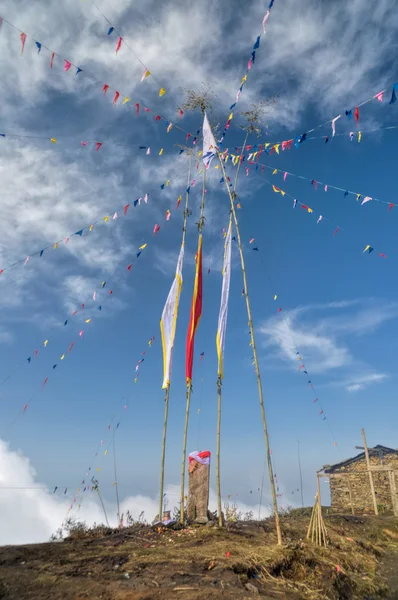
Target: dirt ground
[{"x": 240, "y": 561}]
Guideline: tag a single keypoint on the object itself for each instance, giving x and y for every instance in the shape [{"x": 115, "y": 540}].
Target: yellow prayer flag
[
  {"x": 162, "y": 92},
  {"x": 366, "y": 248},
  {"x": 170, "y": 127},
  {"x": 283, "y": 193},
  {"x": 161, "y": 152},
  {"x": 275, "y": 297},
  {"x": 143, "y": 246},
  {"x": 358, "y": 197},
  {"x": 88, "y": 320},
  {"x": 98, "y": 469},
  {"x": 167, "y": 182},
  {"x": 45, "y": 343},
  {"x": 274, "y": 172},
  {"x": 126, "y": 100},
  {"x": 106, "y": 452},
  {"x": 200, "y": 153},
  {"x": 243, "y": 80},
  {"x": 62, "y": 357},
  {"x": 91, "y": 227},
  {"x": 359, "y": 136},
  {"x": 231, "y": 116},
  {"x": 277, "y": 148},
  {"x": 217, "y": 167},
  {"x": 267, "y": 144},
  {"x": 200, "y": 171},
  {"x": 106, "y": 219},
  {"x": 54, "y": 141},
  {"x": 78, "y": 490},
  {"x": 55, "y": 245},
  {"x": 310, "y": 210}
]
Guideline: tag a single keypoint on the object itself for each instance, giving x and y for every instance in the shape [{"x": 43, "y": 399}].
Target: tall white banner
[
  {"x": 168, "y": 321},
  {"x": 222, "y": 318},
  {"x": 209, "y": 144}
]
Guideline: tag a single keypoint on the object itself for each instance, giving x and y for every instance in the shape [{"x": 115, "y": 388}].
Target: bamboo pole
[
  {"x": 166, "y": 400},
  {"x": 253, "y": 344},
  {"x": 116, "y": 482},
  {"x": 189, "y": 385},
  {"x": 393, "y": 489},
  {"x": 372, "y": 487},
  {"x": 184, "y": 454},
  {"x": 166, "y": 413},
  {"x": 218, "y": 482}
]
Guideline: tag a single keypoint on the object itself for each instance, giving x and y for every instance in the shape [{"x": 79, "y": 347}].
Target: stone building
[{"x": 350, "y": 486}]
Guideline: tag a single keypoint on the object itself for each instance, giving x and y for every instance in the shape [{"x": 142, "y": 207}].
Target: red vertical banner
[{"x": 196, "y": 313}]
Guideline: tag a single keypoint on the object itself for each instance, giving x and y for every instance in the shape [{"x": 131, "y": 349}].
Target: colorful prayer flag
[
  {"x": 196, "y": 312},
  {"x": 223, "y": 314}
]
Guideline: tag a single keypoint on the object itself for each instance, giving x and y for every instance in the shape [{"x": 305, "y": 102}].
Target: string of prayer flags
[
  {"x": 68, "y": 64},
  {"x": 250, "y": 63},
  {"x": 326, "y": 186}
]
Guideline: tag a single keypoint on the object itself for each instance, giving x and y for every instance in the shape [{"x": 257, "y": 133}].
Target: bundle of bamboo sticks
[{"x": 317, "y": 530}]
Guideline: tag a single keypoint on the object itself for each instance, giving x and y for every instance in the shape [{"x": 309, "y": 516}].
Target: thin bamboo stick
[
  {"x": 253, "y": 344},
  {"x": 166, "y": 412},
  {"x": 372, "y": 487},
  {"x": 218, "y": 482},
  {"x": 184, "y": 454},
  {"x": 166, "y": 400},
  {"x": 189, "y": 385}
]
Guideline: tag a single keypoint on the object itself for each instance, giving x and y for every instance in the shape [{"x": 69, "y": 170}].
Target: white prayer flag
[
  {"x": 168, "y": 321},
  {"x": 209, "y": 144},
  {"x": 222, "y": 318}
]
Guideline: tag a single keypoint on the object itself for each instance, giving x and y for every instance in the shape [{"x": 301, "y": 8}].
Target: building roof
[{"x": 378, "y": 450}]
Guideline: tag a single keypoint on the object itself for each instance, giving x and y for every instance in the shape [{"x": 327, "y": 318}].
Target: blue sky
[{"x": 340, "y": 304}]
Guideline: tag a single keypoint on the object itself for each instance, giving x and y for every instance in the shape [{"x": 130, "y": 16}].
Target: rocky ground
[{"x": 204, "y": 562}]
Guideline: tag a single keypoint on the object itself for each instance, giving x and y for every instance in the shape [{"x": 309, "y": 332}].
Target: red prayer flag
[
  {"x": 390, "y": 206},
  {"x": 98, "y": 146},
  {"x": 23, "y": 40},
  {"x": 129, "y": 267},
  {"x": 105, "y": 88},
  {"x": 115, "y": 97},
  {"x": 137, "y": 109},
  {"x": 157, "y": 118},
  {"x": 125, "y": 209},
  {"x": 356, "y": 114},
  {"x": 196, "y": 313},
  {"x": 52, "y": 60},
  {"x": 119, "y": 43}
]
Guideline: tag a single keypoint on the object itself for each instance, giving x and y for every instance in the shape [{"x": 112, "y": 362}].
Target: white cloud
[
  {"x": 33, "y": 515},
  {"x": 360, "y": 382}
]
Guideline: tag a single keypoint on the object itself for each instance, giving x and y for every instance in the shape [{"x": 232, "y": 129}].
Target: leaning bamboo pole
[
  {"x": 253, "y": 344},
  {"x": 167, "y": 394},
  {"x": 189, "y": 384}
]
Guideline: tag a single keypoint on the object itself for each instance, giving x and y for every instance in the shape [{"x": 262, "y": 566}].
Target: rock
[
  {"x": 251, "y": 588},
  {"x": 126, "y": 576},
  {"x": 201, "y": 520}
]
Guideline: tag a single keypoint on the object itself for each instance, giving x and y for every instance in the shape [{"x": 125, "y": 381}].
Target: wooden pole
[
  {"x": 253, "y": 344},
  {"x": 189, "y": 385},
  {"x": 184, "y": 453},
  {"x": 319, "y": 510},
  {"x": 166, "y": 413},
  {"x": 166, "y": 400},
  {"x": 372, "y": 487},
  {"x": 393, "y": 489},
  {"x": 218, "y": 482}
]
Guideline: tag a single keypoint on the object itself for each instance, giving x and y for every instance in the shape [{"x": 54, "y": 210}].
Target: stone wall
[{"x": 360, "y": 486}]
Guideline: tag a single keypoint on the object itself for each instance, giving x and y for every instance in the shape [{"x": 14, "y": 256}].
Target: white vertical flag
[
  {"x": 209, "y": 144},
  {"x": 168, "y": 321},
  {"x": 222, "y": 317}
]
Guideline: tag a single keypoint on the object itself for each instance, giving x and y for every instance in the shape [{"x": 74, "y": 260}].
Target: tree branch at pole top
[{"x": 89, "y": 76}]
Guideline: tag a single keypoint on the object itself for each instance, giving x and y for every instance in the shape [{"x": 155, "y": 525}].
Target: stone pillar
[{"x": 198, "y": 486}]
